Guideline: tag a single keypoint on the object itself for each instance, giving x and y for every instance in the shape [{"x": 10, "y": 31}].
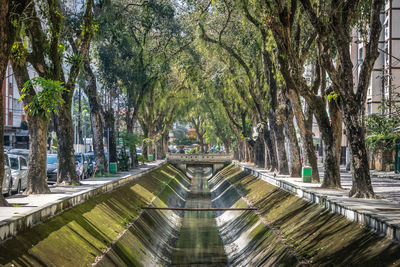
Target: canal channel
[{"x": 199, "y": 241}]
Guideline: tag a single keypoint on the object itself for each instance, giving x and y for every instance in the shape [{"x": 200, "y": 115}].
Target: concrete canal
[
  {"x": 170, "y": 218},
  {"x": 199, "y": 241}
]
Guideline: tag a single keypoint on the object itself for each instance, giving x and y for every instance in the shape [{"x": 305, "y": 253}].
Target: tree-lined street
[{"x": 277, "y": 83}]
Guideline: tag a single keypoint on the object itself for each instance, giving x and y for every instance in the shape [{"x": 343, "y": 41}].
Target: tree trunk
[
  {"x": 332, "y": 170},
  {"x": 201, "y": 140},
  {"x": 150, "y": 144},
  {"x": 283, "y": 167},
  {"x": 270, "y": 160},
  {"x": 241, "y": 149},
  {"x": 98, "y": 145},
  {"x": 7, "y": 37},
  {"x": 337, "y": 124},
  {"x": 37, "y": 176},
  {"x": 361, "y": 187},
  {"x": 259, "y": 153},
  {"x": 227, "y": 144},
  {"x": 286, "y": 113},
  {"x": 295, "y": 161},
  {"x": 304, "y": 122},
  {"x": 249, "y": 151},
  {"x": 65, "y": 139},
  {"x": 130, "y": 123},
  {"x": 96, "y": 117},
  {"x": 37, "y": 129},
  {"x": 164, "y": 138},
  {"x": 112, "y": 144}
]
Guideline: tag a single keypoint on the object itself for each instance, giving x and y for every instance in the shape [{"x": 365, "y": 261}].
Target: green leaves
[
  {"x": 46, "y": 101},
  {"x": 382, "y": 131},
  {"x": 18, "y": 51},
  {"x": 332, "y": 96}
]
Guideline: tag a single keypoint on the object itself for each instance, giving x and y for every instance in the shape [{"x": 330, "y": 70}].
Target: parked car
[
  {"x": 52, "y": 168},
  {"x": 7, "y": 180},
  {"x": 81, "y": 165},
  {"x": 91, "y": 163},
  {"x": 19, "y": 172}
]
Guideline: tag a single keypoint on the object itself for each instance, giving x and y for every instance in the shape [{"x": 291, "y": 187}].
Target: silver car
[
  {"x": 7, "y": 180},
  {"x": 19, "y": 172}
]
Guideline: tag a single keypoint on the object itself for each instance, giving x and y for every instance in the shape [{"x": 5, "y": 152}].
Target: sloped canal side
[
  {"x": 113, "y": 229},
  {"x": 248, "y": 240},
  {"x": 199, "y": 242},
  {"x": 288, "y": 231},
  {"x": 113, "y": 222}
]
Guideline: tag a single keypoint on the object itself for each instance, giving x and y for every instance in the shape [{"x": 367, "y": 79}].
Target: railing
[{"x": 212, "y": 157}]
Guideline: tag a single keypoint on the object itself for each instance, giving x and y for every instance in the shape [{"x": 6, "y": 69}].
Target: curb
[
  {"x": 21, "y": 222},
  {"x": 368, "y": 219}
]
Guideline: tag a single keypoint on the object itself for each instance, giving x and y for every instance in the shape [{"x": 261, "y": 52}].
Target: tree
[
  {"x": 47, "y": 54},
  {"x": 333, "y": 24},
  {"x": 294, "y": 44},
  {"x": 10, "y": 18},
  {"x": 264, "y": 100},
  {"x": 96, "y": 116},
  {"x": 79, "y": 42},
  {"x": 136, "y": 55},
  {"x": 39, "y": 105}
]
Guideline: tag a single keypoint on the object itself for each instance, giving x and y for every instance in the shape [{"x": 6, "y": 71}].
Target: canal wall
[
  {"x": 112, "y": 229},
  {"x": 287, "y": 230},
  {"x": 108, "y": 229}
]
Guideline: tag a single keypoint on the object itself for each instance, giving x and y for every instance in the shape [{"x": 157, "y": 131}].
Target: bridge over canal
[{"x": 216, "y": 161}]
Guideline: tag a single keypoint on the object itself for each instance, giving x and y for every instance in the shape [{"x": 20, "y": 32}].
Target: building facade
[
  {"x": 13, "y": 113},
  {"x": 385, "y": 77}
]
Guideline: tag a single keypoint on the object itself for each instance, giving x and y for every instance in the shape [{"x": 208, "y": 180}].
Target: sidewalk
[
  {"x": 382, "y": 174},
  {"x": 381, "y": 215},
  {"x": 386, "y": 185},
  {"x": 29, "y": 210}
]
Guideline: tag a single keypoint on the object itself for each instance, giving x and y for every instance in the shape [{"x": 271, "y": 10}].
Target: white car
[
  {"x": 19, "y": 172},
  {"x": 7, "y": 180}
]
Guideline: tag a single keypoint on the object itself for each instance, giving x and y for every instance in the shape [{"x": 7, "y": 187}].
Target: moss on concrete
[
  {"x": 79, "y": 235},
  {"x": 315, "y": 234}
]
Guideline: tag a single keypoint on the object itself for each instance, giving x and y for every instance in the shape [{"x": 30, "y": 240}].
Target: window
[
  {"x": 360, "y": 55},
  {"x": 10, "y": 118},
  {"x": 51, "y": 159},
  {"x": 23, "y": 162},
  {"x": 78, "y": 158},
  {"x": 14, "y": 163}
]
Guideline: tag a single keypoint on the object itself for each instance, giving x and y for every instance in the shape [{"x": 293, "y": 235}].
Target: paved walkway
[
  {"x": 387, "y": 188},
  {"x": 386, "y": 208},
  {"x": 24, "y": 204}
]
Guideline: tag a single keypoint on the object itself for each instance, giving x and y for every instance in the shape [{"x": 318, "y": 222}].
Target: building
[
  {"x": 385, "y": 77},
  {"x": 13, "y": 112}
]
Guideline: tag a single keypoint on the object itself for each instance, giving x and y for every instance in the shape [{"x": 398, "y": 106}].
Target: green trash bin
[
  {"x": 150, "y": 157},
  {"x": 113, "y": 167},
  {"x": 306, "y": 173}
]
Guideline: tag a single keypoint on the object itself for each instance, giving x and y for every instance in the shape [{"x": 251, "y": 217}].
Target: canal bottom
[{"x": 199, "y": 242}]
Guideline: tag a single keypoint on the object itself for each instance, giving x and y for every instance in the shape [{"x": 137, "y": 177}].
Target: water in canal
[{"x": 199, "y": 242}]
